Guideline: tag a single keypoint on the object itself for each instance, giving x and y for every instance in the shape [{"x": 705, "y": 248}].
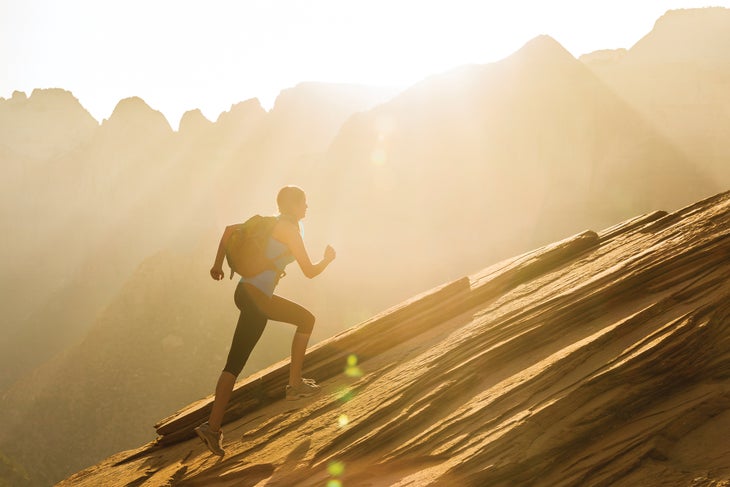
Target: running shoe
[
  {"x": 212, "y": 439},
  {"x": 301, "y": 390}
]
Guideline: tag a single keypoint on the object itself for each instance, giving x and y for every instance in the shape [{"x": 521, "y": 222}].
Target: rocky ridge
[{"x": 601, "y": 359}]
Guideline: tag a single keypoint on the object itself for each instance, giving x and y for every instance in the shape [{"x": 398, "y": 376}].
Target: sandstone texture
[{"x": 602, "y": 359}]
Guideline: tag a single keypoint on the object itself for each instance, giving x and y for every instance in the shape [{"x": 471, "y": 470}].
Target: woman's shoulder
[{"x": 285, "y": 229}]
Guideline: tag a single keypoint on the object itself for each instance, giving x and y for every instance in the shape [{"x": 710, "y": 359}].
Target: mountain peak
[
  {"x": 48, "y": 100},
  {"x": 242, "y": 110},
  {"x": 699, "y": 35},
  {"x": 543, "y": 48},
  {"x": 134, "y": 113},
  {"x": 543, "y": 56},
  {"x": 45, "y": 123},
  {"x": 193, "y": 121}
]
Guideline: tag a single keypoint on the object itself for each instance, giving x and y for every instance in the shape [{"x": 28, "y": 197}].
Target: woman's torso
[{"x": 279, "y": 253}]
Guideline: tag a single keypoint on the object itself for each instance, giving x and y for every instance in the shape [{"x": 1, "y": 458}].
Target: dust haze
[{"x": 110, "y": 320}]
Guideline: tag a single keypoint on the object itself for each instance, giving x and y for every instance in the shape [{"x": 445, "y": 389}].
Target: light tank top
[{"x": 266, "y": 281}]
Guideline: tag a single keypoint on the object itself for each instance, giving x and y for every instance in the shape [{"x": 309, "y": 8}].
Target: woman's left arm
[{"x": 296, "y": 246}]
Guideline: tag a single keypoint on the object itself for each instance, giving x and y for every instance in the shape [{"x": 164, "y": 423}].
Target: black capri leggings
[{"x": 252, "y": 321}]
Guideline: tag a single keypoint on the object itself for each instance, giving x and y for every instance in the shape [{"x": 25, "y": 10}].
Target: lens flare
[
  {"x": 352, "y": 370},
  {"x": 334, "y": 483},
  {"x": 336, "y": 468},
  {"x": 343, "y": 420},
  {"x": 379, "y": 157},
  {"x": 346, "y": 394}
]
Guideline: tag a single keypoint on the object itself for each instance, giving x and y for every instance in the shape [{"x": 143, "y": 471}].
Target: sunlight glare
[
  {"x": 345, "y": 394},
  {"x": 336, "y": 468},
  {"x": 352, "y": 370},
  {"x": 378, "y": 156}
]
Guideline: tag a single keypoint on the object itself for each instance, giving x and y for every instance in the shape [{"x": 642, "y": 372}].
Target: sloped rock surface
[{"x": 603, "y": 359}]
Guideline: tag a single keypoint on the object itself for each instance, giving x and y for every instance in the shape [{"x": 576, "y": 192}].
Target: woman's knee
[
  {"x": 307, "y": 323},
  {"x": 233, "y": 366}
]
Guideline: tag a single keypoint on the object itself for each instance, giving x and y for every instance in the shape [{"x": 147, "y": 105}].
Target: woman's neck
[{"x": 291, "y": 218}]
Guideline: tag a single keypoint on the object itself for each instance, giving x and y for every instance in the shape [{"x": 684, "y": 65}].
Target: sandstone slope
[{"x": 602, "y": 359}]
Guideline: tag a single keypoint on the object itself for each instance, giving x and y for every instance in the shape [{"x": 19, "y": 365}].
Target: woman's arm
[
  {"x": 293, "y": 239},
  {"x": 216, "y": 272}
]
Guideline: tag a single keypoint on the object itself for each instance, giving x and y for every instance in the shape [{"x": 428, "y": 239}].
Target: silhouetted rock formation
[
  {"x": 695, "y": 36},
  {"x": 194, "y": 122},
  {"x": 602, "y": 359},
  {"x": 47, "y": 124},
  {"x": 678, "y": 78},
  {"x": 521, "y": 151}
]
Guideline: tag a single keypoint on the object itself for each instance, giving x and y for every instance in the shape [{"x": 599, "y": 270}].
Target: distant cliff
[{"x": 678, "y": 78}]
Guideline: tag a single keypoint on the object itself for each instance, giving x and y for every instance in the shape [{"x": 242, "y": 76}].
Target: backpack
[{"x": 246, "y": 246}]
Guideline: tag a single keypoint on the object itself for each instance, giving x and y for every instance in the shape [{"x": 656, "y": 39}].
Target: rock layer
[{"x": 603, "y": 359}]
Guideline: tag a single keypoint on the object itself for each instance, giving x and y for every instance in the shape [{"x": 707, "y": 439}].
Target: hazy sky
[{"x": 209, "y": 54}]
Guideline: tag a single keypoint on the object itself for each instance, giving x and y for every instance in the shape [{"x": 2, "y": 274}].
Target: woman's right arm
[{"x": 216, "y": 272}]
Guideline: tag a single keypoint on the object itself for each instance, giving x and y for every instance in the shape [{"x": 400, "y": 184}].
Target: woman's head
[{"x": 292, "y": 202}]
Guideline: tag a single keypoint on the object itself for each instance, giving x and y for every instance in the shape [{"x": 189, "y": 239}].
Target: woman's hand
[
  {"x": 329, "y": 254},
  {"x": 217, "y": 273}
]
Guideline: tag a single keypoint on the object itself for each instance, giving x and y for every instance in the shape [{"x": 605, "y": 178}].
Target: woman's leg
[
  {"x": 290, "y": 312},
  {"x": 298, "y": 349},
  {"x": 251, "y": 324},
  {"x": 280, "y": 309},
  {"x": 223, "y": 391}
]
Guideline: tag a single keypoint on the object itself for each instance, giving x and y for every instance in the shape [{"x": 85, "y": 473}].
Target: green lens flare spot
[
  {"x": 352, "y": 370},
  {"x": 346, "y": 395},
  {"x": 336, "y": 468},
  {"x": 334, "y": 483},
  {"x": 343, "y": 420}
]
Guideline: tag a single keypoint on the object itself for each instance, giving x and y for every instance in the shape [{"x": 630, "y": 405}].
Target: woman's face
[{"x": 300, "y": 208}]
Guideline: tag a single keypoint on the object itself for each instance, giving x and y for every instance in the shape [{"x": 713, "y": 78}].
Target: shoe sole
[
  {"x": 301, "y": 396},
  {"x": 207, "y": 444}
]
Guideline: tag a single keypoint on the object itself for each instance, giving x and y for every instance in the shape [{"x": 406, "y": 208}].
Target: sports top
[{"x": 267, "y": 280}]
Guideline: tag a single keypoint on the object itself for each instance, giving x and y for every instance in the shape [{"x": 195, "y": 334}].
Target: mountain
[
  {"x": 678, "y": 78},
  {"x": 65, "y": 216},
  {"x": 486, "y": 160},
  {"x": 131, "y": 188},
  {"x": 295, "y": 108},
  {"x": 693, "y": 36},
  {"x": 45, "y": 124},
  {"x": 194, "y": 123},
  {"x": 35, "y": 132},
  {"x": 601, "y": 359}
]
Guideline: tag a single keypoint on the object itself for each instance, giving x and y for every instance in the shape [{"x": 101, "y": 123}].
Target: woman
[{"x": 255, "y": 298}]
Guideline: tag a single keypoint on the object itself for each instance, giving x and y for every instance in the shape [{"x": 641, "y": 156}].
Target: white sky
[{"x": 181, "y": 54}]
